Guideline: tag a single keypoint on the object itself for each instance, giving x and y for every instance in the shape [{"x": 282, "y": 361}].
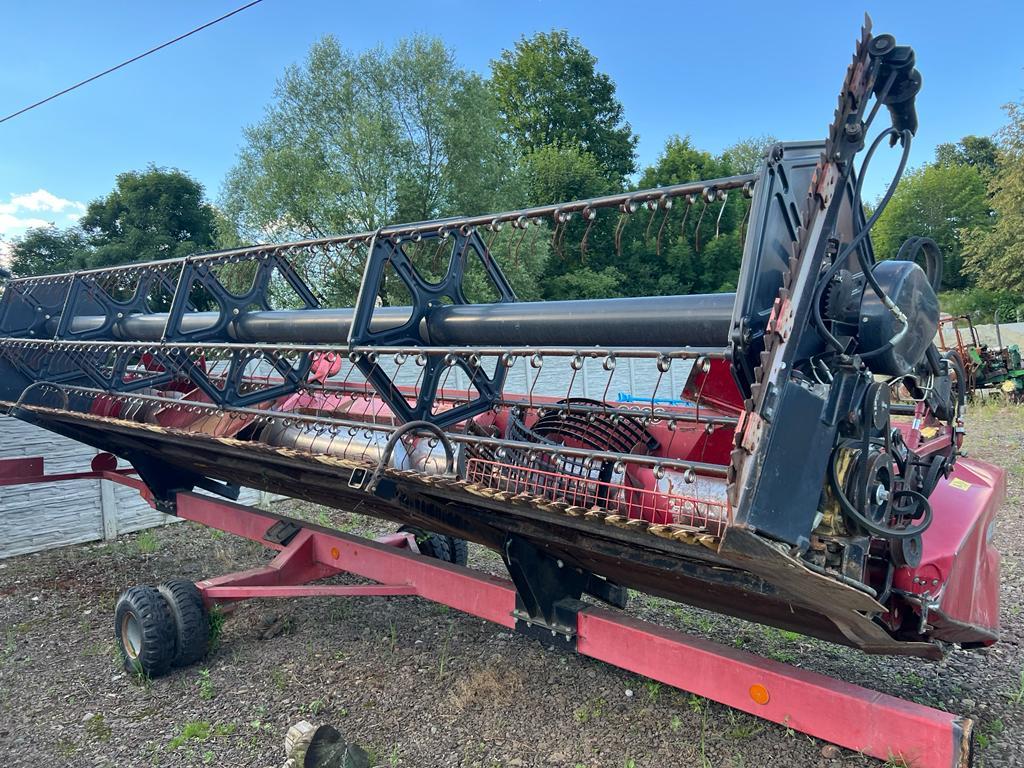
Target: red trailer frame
[{"x": 859, "y": 719}]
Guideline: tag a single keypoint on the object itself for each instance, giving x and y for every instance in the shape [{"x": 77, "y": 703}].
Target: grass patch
[
  {"x": 217, "y": 619},
  {"x": 205, "y": 684},
  {"x": 147, "y": 543},
  {"x": 97, "y": 729},
  {"x": 200, "y": 731}
]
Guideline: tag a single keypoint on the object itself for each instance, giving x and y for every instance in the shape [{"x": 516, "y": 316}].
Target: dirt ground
[{"x": 419, "y": 685}]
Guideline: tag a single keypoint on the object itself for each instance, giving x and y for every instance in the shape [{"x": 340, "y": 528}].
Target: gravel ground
[{"x": 419, "y": 685}]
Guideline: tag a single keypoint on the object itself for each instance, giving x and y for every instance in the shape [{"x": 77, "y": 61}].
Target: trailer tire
[
  {"x": 439, "y": 546},
  {"x": 144, "y": 631},
  {"x": 191, "y": 621}
]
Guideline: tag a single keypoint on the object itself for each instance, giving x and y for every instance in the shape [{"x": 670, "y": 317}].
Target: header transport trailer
[{"x": 810, "y": 477}]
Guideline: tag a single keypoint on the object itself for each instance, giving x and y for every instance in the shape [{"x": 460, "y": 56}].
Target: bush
[{"x": 981, "y": 304}]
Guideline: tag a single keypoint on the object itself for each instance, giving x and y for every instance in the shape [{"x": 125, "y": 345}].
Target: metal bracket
[{"x": 387, "y": 251}]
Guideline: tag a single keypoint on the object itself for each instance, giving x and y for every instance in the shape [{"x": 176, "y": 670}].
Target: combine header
[{"x": 808, "y": 476}]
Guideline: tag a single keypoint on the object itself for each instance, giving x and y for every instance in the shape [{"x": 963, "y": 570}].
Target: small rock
[
  {"x": 831, "y": 752},
  {"x": 87, "y": 717},
  {"x": 556, "y": 758},
  {"x": 629, "y": 693},
  {"x": 967, "y": 703},
  {"x": 515, "y": 762}
]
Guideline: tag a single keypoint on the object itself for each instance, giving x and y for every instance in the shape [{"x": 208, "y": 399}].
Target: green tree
[
  {"x": 48, "y": 250},
  {"x": 157, "y": 213},
  {"x": 995, "y": 254},
  {"x": 746, "y": 154},
  {"x": 352, "y": 143},
  {"x": 550, "y": 94},
  {"x": 940, "y": 202},
  {"x": 980, "y": 152}
]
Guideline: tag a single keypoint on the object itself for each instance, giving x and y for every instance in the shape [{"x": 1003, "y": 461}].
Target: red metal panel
[
  {"x": 19, "y": 470},
  {"x": 866, "y": 721},
  {"x": 308, "y": 590}
]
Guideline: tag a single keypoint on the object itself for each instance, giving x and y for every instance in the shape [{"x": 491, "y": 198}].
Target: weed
[
  {"x": 653, "y": 689},
  {"x": 740, "y": 731},
  {"x": 986, "y": 734},
  {"x": 393, "y": 757},
  {"x": 443, "y": 661},
  {"x": 147, "y": 543},
  {"x": 629, "y": 762},
  {"x": 315, "y": 707},
  {"x": 191, "y": 731},
  {"x": 675, "y": 723},
  {"x": 217, "y": 619},
  {"x": 591, "y": 711},
  {"x": 205, "y": 684},
  {"x": 97, "y": 728},
  {"x": 278, "y": 679},
  {"x": 896, "y": 761},
  {"x": 208, "y": 757},
  {"x": 696, "y": 703},
  {"x": 1017, "y": 696}
]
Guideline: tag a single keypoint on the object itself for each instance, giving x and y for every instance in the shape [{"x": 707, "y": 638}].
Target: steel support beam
[{"x": 845, "y": 714}]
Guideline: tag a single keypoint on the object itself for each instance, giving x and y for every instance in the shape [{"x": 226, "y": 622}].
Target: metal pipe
[{"x": 665, "y": 322}]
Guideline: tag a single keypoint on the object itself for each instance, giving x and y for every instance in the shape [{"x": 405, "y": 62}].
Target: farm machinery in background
[
  {"x": 809, "y": 475},
  {"x": 990, "y": 368}
]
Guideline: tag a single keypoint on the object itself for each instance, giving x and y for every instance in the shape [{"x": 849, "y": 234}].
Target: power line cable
[{"x": 179, "y": 38}]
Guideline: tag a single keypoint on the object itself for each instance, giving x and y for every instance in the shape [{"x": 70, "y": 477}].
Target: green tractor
[{"x": 987, "y": 368}]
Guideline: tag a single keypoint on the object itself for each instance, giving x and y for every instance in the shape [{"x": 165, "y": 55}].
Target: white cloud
[
  {"x": 40, "y": 200},
  {"x": 35, "y": 209}
]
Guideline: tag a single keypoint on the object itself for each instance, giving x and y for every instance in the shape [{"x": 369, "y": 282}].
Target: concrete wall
[
  {"x": 1012, "y": 333},
  {"x": 47, "y": 515}
]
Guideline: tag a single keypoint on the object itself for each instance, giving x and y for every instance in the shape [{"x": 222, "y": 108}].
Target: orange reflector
[
  {"x": 335, "y": 553},
  {"x": 759, "y": 693}
]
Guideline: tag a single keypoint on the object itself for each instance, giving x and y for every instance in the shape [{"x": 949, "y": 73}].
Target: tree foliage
[
  {"x": 354, "y": 142},
  {"x": 995, "y": 254},
  {"x": 979, "y": 152},
  {"x": 45, "y": 250},
  {"x": 937, "y": 201},
  {"x": 153, "y": 214},
  {"x": 551, "y": 94}
]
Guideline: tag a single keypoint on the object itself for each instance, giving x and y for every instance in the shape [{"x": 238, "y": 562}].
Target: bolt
[
  {"x": 560, "y": 563},
  {"x": 881, "y": 494}
]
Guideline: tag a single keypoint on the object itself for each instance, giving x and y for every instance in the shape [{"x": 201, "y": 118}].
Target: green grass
[
  {"x": 206, "y": 691},
  {"x": 147, "y": 543},
  {"x": 97, "y": 728},
  {"x": 217, "y": 619},
  {"x": 196, "y": 730}
]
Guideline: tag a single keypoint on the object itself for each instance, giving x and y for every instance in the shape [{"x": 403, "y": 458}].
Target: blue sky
[{"x": 717, "y": 71}]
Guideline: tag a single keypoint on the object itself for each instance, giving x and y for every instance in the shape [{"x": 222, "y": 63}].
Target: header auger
[{"x": 809, "y": 477}]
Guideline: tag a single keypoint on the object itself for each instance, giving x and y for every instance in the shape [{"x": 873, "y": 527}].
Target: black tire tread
[
  {"x": 192, "y": 622},
  {"x": 438, "y": 545},
  {"x": 158, "y": 630}
]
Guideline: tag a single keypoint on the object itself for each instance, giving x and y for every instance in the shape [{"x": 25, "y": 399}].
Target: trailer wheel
[
  {"x": 191, "y": 621},
  {"x": 144, "y": 631},
  {"x": 438, "y": 545}
]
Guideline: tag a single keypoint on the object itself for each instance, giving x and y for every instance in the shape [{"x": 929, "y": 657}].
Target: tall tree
[
  {"x": 550, "y": 93},
  {"x": 356, "y": 142},
  {"x": 46, "y": 250},
  {"x": 995, "y": 254},
  {"x": 980, "y": 152},
  {"x": 937, "y": 201},
  {"x": 152, "y": 214},
  {"x": 157, "y": 213}
]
